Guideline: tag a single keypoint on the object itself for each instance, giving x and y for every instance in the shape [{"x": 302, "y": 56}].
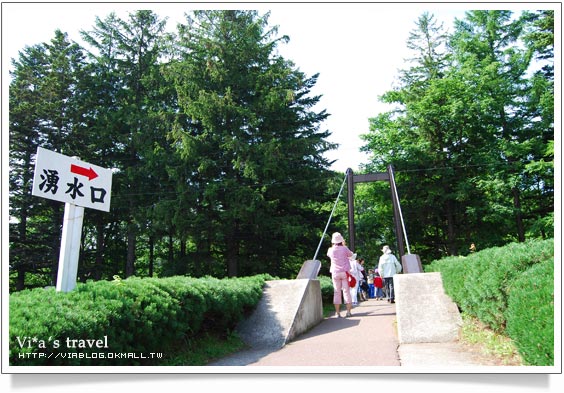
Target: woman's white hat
[
  {"x": 337, "y": 238},
  {"x": 352, "y": 257},
  {"x": 386, "y": 250}
]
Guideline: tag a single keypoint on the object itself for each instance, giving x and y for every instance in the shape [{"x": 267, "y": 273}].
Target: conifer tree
[
  {"x": 46, "y": 109},
  {"x": 131, "y": 114},
  {"x": 252, "y": 140}
]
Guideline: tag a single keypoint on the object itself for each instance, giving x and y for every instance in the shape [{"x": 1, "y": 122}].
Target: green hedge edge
[
  {"x": 511, "y": 290},
  {"x": 139, "y": 316}
]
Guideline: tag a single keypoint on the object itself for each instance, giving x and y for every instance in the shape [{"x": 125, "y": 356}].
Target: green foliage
[
  {"x": 253, "y": 138},
  {"x": 215, "y": 147},
  {"x": 506, "y": 288},
  {"x": 46, "y": 106},
  {"x": 470, "y": 134},
  {"x": 374, "y": 224},
  {"x": 134, "y": 315},
  {"x": 530, "y": 309},
  {"x": 326, "y": 289},
  {"x": 217, "y": 150}
]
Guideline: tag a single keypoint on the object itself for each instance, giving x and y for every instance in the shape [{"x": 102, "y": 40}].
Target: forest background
[{"x": 219, "y": 159}]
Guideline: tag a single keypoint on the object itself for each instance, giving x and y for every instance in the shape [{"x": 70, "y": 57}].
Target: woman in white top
[
  {"x": 388, "y": 266},
  {"x": 356, "y": 272}
]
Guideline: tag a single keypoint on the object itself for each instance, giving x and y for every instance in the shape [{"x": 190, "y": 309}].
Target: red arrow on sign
[{"x": 88, "y": 172}]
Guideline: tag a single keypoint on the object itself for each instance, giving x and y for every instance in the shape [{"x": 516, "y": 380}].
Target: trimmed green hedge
[
  {"x": 530, "y": 314},
  {"x": 134, "y": 316},
  {"x": 511, "y": 289},
  {"x": 326, "y": 289}
]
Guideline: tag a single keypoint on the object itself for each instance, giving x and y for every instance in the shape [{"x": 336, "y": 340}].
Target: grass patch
[
  {"x": 329, "y": 310},
  {"x": 489, "y": 343},
  {"x": 201, "y": 351}
]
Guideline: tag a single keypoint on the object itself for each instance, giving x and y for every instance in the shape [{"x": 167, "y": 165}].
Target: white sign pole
[{"x": 70, "y": 247}]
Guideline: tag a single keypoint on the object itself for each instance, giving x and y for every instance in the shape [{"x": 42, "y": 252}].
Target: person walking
[
  {"x": 363, "y": 287},
  {"x": 388, "y": 266},
  {"x": 357, "y": 274},
  {"x": 371, "y": 291},
  {"x": 339, "y": 255},
  {"x": 378, "y": 284}
]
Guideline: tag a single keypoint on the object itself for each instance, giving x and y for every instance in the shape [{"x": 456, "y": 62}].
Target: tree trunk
[
  {"x": 182, "y": 265},
  {"x": 21, "y": 267},
  {"x": 20, "y": 281},
  {"x": 99, "y": 263},
  {"x": 170, "y": 249},
  {"x": 198, "y": 255},
  {"x": 131, "y": 244},
  {"x": 451, "y": 229},
  {"x": 232, "y": 251},
  {"x": 518, "y": 214},
  {"x": 151, "y": 255}
]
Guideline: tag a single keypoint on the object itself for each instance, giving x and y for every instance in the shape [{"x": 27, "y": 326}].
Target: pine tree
[
  {"x": 496, "y": 68},
  {"x": 45, "y": 110},
  {"x": 252, "y": 139},
  {"x": 467, "y": 138},
  {"x": 131, "y": 114}
]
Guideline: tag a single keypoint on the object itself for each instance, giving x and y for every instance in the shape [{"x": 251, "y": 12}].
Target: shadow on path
[{"x": 360, "y": 340}]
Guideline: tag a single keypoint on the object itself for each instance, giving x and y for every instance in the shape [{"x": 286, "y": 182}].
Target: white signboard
[{"x": 69, "y": 180}]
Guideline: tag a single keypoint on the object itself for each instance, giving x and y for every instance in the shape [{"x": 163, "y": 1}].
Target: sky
[{"x": 357, "y": 49}]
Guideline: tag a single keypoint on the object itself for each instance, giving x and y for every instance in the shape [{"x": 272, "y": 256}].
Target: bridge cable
[
  {"x": 393, "y": 184},
  {"x": 331, "y": 216}
]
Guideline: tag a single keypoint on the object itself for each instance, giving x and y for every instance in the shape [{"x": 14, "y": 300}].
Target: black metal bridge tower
[
  {"x": 411, "y": 262},
  {"x": 352, "y": 179}
]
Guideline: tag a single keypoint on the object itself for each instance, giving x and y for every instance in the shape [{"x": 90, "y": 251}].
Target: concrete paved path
[
  {"x": 366, "y": 342},
  {"x": 368, "y": 338}
]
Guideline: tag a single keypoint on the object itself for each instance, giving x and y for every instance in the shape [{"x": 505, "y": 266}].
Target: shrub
[
  {"x": 326, "y": 289},
  {"x": 530, "y": 314},
  {"x": 485, "y": 285},
  {"x": 134, "y": 316}
]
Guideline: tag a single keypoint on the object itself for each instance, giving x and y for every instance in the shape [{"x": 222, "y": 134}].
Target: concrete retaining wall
[
  {"x": 425, "y": 314},
  {"x": 287, "y": 309}
]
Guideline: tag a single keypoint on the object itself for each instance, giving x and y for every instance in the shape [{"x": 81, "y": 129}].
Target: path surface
[{"x": 368, "y": 338}]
